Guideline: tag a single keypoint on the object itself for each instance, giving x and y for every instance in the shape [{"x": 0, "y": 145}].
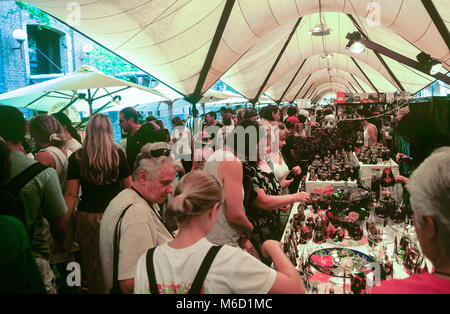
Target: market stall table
[
  {"x": 310, "y": 186},
  {"x": 367, "y": 171},
  {"x": 322, "y": 283}
]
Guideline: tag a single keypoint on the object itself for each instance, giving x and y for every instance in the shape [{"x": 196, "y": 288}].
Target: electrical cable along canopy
[{"x": 271, "y": 47}]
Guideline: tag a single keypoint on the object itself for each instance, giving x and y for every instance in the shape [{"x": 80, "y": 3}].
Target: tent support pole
[
  {"x": 401, "y": 58},
  {"x": 197, "y": 95},
  {"x": 278, "y": 58},
  {"x": 303, "y": 85},
  {"x": 367, "y": 78},
  {"x": 437, "y": 20},
  {"x": 358, "y": 83},
  {"x": 399, "y": 85},
  {"x": 314, "y": 90},
  {"x": 292, "y": 81},
  {"x": 307, "y": 91},
  {"x": 353, "y": 87}
]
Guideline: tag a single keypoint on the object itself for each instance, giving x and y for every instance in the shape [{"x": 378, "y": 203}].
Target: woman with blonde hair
[
  {"x": 102, "y": 171},
  {"x": 48, "y": 134},
  {"x": 171, "y": 267}
]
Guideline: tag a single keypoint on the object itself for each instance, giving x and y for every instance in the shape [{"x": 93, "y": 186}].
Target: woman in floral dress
[{"x": 263, "y": 194}]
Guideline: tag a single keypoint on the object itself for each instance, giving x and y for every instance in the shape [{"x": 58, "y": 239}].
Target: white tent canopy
[
  {"x": 190, "y": 44},
  {"x": 84, "y": 86}
]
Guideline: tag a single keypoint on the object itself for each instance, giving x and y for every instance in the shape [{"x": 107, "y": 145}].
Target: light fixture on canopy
[
  {"x": 320, "y": 29},
  {"x": 354, "y": 44},
  {"x": 429, "y": 64},
  {"x": 326, "y": 56}
]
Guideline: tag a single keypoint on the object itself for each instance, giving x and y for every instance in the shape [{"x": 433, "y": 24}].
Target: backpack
[{"x": 9, "y": 201}]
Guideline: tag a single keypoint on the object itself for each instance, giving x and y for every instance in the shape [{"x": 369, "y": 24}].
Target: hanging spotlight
[
  {"x": 428, "y": 64},
  {"x": 320, "y": 29},
  {"x": 326, "y": 56},
  {"x": 354, "y": 44}
]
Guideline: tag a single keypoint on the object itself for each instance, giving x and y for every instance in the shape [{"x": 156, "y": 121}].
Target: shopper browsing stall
[
  {"x": 101, "y": 170},
  {"x": 429, "y": 187},
  {"x": 264, "y": 196},
  {"x": 370, "y": 130},
  {"x": 171, "y": 268}
]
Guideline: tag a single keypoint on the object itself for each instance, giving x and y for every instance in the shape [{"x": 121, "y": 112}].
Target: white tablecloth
[{"x": 367, "y": 171}]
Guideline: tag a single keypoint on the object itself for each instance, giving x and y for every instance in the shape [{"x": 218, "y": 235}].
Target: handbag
[{"x": 116, "y": 286}]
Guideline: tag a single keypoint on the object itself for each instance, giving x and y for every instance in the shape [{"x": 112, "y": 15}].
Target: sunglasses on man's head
[{"x": 160, "y": 152}]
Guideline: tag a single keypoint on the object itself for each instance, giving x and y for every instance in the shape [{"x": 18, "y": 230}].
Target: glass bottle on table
[
  {"x": 387, "y": 179},
  {"x": 404, "y": 242}
]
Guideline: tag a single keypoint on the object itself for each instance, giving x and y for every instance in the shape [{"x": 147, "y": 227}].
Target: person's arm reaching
[
  {"x": 71, "y": 195},
  {"x": 287, "y": 280},
  {"x": 273, "y": 202}
]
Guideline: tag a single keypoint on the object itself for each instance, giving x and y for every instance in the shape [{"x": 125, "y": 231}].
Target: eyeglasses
[{"x": 160, "y": 152}]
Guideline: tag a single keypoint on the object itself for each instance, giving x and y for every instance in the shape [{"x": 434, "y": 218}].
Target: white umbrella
[
  {"x": 87, "y": 89},
  {"x": 70, "y": 112},
  {"x": 213, "y": 96}
]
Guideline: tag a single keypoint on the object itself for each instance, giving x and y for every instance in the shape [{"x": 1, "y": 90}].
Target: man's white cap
[{"x": 304, "y": 112}]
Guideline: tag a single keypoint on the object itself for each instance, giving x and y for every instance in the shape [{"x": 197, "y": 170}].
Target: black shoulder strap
[
  {"x": 18, "y": 182},
  {"x": 15, "y": 185},
  {"x": 203, "y": 270},
  {"x": 199, "y": 278},
  {"x": 151, "y": 272},
  {"x": 117, "y": 247}
]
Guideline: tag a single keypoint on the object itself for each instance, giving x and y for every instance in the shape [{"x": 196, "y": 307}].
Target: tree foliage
[
  {"x": 39, "y": 16},
  {"x": 110, "y": 64}
]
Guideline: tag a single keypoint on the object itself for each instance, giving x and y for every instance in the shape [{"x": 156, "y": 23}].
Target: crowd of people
[{"x": 142, "y": 216}]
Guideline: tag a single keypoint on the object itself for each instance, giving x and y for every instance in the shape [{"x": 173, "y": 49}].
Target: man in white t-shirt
[{"x": 142, "y": 226}]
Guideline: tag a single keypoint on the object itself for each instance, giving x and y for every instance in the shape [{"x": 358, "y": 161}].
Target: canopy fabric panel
[
  {"x": 175, "y": 41},
  {"x": 339, "y": 62}
]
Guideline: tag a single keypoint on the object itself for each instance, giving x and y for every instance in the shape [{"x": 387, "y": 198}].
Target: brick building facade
[{"x": 16, "y": 66}]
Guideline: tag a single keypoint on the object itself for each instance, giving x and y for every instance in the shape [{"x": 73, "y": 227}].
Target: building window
[{"x": 44, "y": 50}]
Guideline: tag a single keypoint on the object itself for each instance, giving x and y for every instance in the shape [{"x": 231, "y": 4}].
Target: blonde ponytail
[{"x": 196, "y": 192}]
